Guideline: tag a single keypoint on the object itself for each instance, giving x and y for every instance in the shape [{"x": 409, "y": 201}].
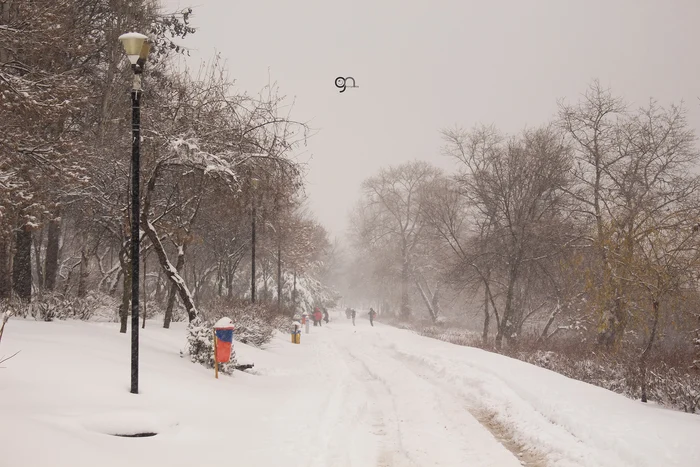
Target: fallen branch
[{"x": 3, "y": 359}]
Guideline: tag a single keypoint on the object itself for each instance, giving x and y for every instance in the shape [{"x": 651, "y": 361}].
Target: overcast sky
[{"x": 422, "y": 66}]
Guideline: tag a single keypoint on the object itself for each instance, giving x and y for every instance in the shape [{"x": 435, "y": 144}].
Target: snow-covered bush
[
  {"x": 252, "y": 329},
  {"x": 310, "y": 293},
  {"x": 255, "y": 323},
  {"x": 54, "y": 305},
  {"x": 200, "y": 347}
]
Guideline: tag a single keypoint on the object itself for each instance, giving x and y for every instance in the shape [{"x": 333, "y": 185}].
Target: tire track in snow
[
  {"x": 440, "y": 430},
  {"x": 506, "y": 435},
  {"x": 392, "y": 453},
  {"x": 528, "y": 456},
  {"x": 343, "y": 412}
]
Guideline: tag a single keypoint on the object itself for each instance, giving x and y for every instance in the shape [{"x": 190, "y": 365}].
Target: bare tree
[
  {"x": 390, "y": 218},
  {"x": 516, "y": 187}
]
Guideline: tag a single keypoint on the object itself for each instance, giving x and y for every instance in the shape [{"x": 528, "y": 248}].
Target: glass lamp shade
[{"x": 134, "y": 45}]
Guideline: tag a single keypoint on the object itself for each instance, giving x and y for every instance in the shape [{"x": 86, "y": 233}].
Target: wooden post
[{"x": 216, "y": 360}]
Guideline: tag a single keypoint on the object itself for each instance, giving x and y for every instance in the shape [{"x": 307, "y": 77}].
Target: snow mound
[{"x": 224, "y": 323}]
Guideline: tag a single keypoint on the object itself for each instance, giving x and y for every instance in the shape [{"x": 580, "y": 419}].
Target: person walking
[
  {"x": 372, "y": 315},
  {"x": 325, "y": 315},
  {"x": 318, "y": 316},
  {"x": 353, "y": 313}
]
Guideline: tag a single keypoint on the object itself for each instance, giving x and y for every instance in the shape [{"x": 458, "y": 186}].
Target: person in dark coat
[
  {"x": 353, "y": 313},
  {"x": 372, "y": 315},
  {"x": 325, "y": 315}
]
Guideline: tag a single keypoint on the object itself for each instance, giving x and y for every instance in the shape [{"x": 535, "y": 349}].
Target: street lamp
[
  {"x": 254, "y": 184},
  {"x": 137, "y": 47}
]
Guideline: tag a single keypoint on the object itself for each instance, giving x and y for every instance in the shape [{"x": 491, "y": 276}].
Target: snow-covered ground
[{"x": 347, "y": 396}]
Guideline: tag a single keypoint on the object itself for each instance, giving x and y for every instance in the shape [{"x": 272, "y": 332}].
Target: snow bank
[
  {"x": 347, "y": 396},
  {"x": 574, "y": 423},
  {"x": 67, "y": 392}
]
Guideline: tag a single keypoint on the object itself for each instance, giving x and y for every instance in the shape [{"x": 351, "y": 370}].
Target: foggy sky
[{"x": 422, "y": 66}]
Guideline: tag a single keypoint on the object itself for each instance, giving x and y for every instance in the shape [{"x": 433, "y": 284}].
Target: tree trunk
[
  {"x": 37, "y": 241},
  {"x": 427, "y": 301},
  {"x": 171, "y": 272},
  {"x": 8, "y": 10},
  {"x": 5, "y": 282},
  {"x": 405, "y": 306},
  {"x": 647, "y": 350},
  {"x": 507, "y": 327},
  {"x": 115, "y": 284},
  {"x": 545, "y": 332},
  {"x": 220, "y": 281},
  {"x": 265, "y": 276},
  {"x": 145, "y": 294},
  {"x": 253, "y": 285},
  {"x": 436, "y": 301},
  {"x": 22, "y": 264},
  {"x": 294, "y": 294},
  {"x": 84, "y": 273},
  {"x": 173, "y": 290},
  {"x": 487, "y": 318},
  {"x": 51, "y": 260},
  {"x": 229, "y": 279},
  {"x": 158, "y": 292},
  {"x": 279, "y": 277}
]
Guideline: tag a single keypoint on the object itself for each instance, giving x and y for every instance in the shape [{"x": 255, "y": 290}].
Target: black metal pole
[
  {"x": 252, "y": 266},
  {"x": 135, "y": 224}
]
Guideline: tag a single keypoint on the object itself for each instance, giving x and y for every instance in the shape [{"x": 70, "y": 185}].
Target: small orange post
[{"x": 216, "y": 360}]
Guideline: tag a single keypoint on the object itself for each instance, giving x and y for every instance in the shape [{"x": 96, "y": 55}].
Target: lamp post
[
  {"x": 137, "y": 47},
  {"x": 254, "y": 184}
]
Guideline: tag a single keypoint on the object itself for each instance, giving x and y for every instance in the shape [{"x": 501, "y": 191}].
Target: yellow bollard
[{"x": 296, "y": 333}]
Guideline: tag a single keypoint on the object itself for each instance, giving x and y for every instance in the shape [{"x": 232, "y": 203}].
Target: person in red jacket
[{"x": 318, "y": 316}]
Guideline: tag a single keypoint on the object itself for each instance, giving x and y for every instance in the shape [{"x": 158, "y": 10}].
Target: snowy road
[
  {"x": 433, "y": 403},
  {"x": 348, "y": 396},
  {"x": 417, "y": 419}
]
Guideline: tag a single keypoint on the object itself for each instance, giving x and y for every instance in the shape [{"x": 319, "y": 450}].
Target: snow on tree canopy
[{"x": 224, "y": 323}]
